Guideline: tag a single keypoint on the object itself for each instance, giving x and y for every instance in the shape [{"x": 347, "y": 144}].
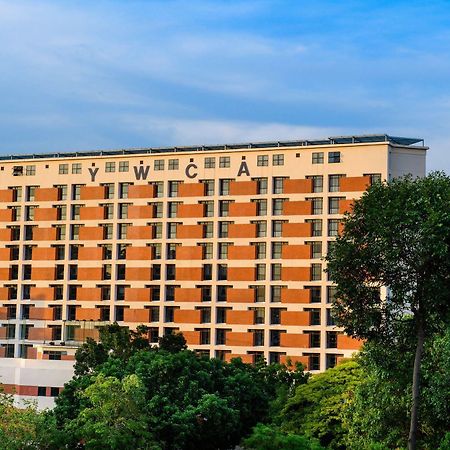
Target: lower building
[{"x": 223, "y": 243}]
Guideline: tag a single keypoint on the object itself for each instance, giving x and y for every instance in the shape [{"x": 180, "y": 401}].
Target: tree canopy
[{"x": 392, "y": 263}]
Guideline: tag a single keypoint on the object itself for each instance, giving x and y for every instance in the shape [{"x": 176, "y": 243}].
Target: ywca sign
[{"x": 142, "y": 172}]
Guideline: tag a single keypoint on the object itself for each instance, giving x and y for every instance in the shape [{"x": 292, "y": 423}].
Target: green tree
[
  {"x": 173, "y": 342},
  {"x": 115, "y": 416},
  {"x": 266, "y": 437},
  {"x": 190, "y": 401},
  {"x": 317, "y": 407},
  {"x": 378, "y": 410},
  {"x": 398, "y": 235},
  {"x": 26, "y": 428},
  {"x": 114, "y": 340}
]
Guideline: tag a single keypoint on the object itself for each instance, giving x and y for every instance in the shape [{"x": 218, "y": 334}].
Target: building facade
[{"x": 222, "y": 243}]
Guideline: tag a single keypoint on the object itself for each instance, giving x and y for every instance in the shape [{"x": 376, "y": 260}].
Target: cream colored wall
[{"x": 357, "y": 159}]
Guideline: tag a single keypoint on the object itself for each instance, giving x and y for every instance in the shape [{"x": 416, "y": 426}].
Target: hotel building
[{"x": 223, "y": 243}]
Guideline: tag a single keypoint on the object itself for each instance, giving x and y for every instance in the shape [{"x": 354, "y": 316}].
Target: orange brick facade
[{"x": 223, "y": 245}]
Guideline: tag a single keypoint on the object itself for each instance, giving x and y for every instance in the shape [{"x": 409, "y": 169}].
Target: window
[
  {"x": 173, "y": 188},
  {"x": 169, "y": 312},
  {"x": 109, "y": 190},
  {"x": 60, "y": 251},
  {"x": 332, "y": 339},
  {"x": 210, "y": 163},
  {"x": 275, "y": 294},
  {"x": 29, "y": 212},
  {"x": 221, "y": 335},
  {"x": 172, "y": 209},
  {"x": 224, "y": 161},
  {"x": 74, "y": 232},
  {"x": 76, "y": 212},
  {"x": 316, "y": 225},
  {"x": 61, "y": 212},
  {"x": 159, "y": 164},
  {"x": 223, "y": 229},
  {"x": 334, "y": 157},
  {"x": 63, "y": 169},
  {"x": 206, "y": 293},
  {"x": 157, "y": 229},
  {"x": 76, "y": 168},
  {"x": 123, "y": 210},
  {"x": 107, "y": 251},
  {"x": 316, "y": 272},
  {"x": 171, "y": 251},
  {"x": 317, "y": 158},
  {"x": 207, "y": 250},
  {"x": 316, "y": 248},
  {"x": 224, "y": 206},
  {"x": 275, "y": 316},
  {"x": 207, "y": 272},
  {"x": 262, "y": 160},
  {"x": 30, "y": 170},
  {"x": 157, "y": 209},
  {"x": 30, "y": 193},
  {"x": 333, "y": 227},
  {"x": 222, "y": 293},
  {"x": 73, "y": 251},
  {"x": 260, "y": 293},
  {"x": 261, "y": 185},
  {"x": 277, "y": 228},
  {"x": 276, "y": 249},
  {"x": 110, "y": 167},
  {"x": 124, "y": 166},
  {"x": 277, "y": 206},
  {"x": 109, "y": 210},
  {"x": 209, "y": 187},
  {"x": 76, "y": 191},
  {"x": 278, "y": 160},
  {"x": 314, "y": 316},
  {"x": 334, "y": 183},
  {"x": 208, "y": 208},
  {"x": 261, "y": 228},
  {"x": 258, "y": 337},
  {"x": 260, "y": 272},
  {"x": 62, "y": 191},
  {"x": 374, "y": 177},
  {"x": 122, "y": 230},
  {"x": 223, "y": 250},
  {"x": 172, "y": 230},
  {"x": 208, "y": 229},
  {"x": 224, "y": 186},
  {"x": 260, "y": 249},
  {"x": 259, "y": 315},
  {"x": 331, "y": 360},
  {"x": 123, "y": 190},
  {"x": 317, "y": 182},
  {"x": 170, "y": 293},
  {"x": 261, "y": 207},
  {"x": 170, "y": 272},
  {"x": 333, "y": 205},
  {"x": 174, "y": 164},
  {"x": 275, "y": 338},
  {"x": 17, "y": 193},
  {"x": 314, "y": 339},
  {"x": 317, "y": 205},
  {"x": 278, "y": 183},
  {"x": 107, "y": 230},
  {"x": 222, "y": 272},
  {"x": 275, "y": 272}
]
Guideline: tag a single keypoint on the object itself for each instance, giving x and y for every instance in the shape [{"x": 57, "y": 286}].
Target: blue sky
[{"x": 79, "y": 75}]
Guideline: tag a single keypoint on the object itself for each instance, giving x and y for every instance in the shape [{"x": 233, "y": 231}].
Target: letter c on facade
[{"x": 188, "y": 170}]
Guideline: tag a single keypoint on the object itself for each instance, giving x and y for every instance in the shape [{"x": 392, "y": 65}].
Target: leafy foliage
[
  {"x": 398, "y": 236},
  {"x": 271, "y": 438},
  {"x": 187, "y": 401},
  {"x": 26, "y": 428},
  {"x": 317, "y": 407},
  {"x": 378, "y": 411}
]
